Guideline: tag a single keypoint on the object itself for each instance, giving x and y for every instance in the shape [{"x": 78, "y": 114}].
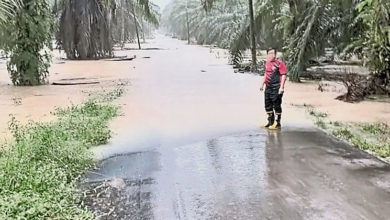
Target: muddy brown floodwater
[{"x": 189, "y": 147}]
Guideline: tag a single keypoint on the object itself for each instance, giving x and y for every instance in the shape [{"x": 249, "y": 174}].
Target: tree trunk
[
  {"x": 143, "y": 31},
  {"x": 136, "y": 26},
  {"x": 123, "y": 24},
  {"x": 252, "y": 36},
  {"x": 188, "y": 23},
  {"x": 294, "y": 10},
  {"x": 293, "y": 5},
  {"x": 300, "y": 62},
  {"x": 55, "y": 8}
]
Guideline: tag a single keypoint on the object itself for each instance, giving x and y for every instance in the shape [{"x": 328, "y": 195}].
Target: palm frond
[{"x": 7, "y": 9}]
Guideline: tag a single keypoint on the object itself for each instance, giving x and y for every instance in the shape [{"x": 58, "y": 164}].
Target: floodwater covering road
[{"x": 189, "y": 147}]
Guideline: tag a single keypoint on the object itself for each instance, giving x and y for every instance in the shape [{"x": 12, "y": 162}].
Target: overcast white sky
[{"x": 161, "y": 3}]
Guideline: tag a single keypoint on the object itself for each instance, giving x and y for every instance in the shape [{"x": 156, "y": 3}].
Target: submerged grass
[
  {"x": 319, "y": 117},
  {"x": 371, "y": 137},
  {"x": 39, "y": 170}
]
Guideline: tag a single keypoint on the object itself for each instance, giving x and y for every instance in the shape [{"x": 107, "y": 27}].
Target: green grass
[
  {"x": 381, "y": 129},
  {"x": 319, "y": 117},
  {"x": 343, "y": 133},
  {"x": 372, "y": 137},
  {"x": 317, "y": 114},
  {"x": 320, "y": 123},
  {"x": 40, "y": 169}
]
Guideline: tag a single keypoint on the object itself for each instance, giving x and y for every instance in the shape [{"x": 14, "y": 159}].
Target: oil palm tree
[
  {"x": 132, "y": 18},
  {"x": 87, "y": 27},
  {"x": 28, "y": 42},
  {"x": 217, "y": 25},
  {"x": 304, "y": 27},
  {"x": 84, "y": 28},
  {"x": 7, "y": 9},
  {"x": 373, "y": 44}
]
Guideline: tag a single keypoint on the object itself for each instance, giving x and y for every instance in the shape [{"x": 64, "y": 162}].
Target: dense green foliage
[
  {"x": 7, "y": 10},
  {"x": 301, "y": 29},
  {"x": 89, "y": 28},
  {"x": 40, "y": 170},
  {"x": 27, "y": 40},
  {"x": 219, "y": 26},
  {"x": 85, "y": 29},
  {"x": 374, "y": 42}
]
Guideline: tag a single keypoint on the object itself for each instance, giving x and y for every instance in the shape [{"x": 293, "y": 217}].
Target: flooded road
[
  {"x": 189, "y": 147},
  {"x": 286, "y": 174}
]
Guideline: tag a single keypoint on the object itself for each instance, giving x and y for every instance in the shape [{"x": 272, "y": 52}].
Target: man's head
[{"x": 271, "y": 53}]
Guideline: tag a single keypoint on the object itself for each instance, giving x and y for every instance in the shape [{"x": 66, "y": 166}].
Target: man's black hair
[{"x": 272, "y": 48}]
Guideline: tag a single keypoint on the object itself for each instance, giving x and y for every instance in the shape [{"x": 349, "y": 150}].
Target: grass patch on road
[
  {"x": 40, "y": 169},
  {"x": 371, "y": 137}
]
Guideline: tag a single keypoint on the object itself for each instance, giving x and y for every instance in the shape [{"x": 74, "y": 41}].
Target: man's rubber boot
[
  {"x": 276, "y": 125},
  {"x": 271, "y": 119}
]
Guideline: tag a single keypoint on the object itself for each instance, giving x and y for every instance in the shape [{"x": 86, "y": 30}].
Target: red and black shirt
[{"x": 274, "y": 70}]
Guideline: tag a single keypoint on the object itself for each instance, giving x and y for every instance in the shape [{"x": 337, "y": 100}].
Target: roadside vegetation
[
  {"x": 40, "y": 168},
  {"x": 371, "y": 137},
  {"x": 83, "y": 29}
]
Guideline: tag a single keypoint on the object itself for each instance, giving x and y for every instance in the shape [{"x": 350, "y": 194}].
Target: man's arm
[
  {"x": 262, "y": 83},
  {"x": 283, "y": 72},
  {"x": 281, "y": 90}
]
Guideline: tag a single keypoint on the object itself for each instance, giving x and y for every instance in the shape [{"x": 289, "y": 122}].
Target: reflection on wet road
[
  {"x": 189, "y": 148},
  {"x": 258, "y": 174}
]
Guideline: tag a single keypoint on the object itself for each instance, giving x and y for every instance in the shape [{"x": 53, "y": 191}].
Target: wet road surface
[
  {"x": 189, "y": 148},
  {"x": 257, "y": 174}
]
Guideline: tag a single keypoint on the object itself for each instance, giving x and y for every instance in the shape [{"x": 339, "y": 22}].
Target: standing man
[{"x": 274, "y": 80}]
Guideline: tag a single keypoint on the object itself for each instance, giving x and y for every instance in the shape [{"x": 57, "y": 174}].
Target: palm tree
[
  {"x": 373, "y": 44},
  {"x": 217, "y": 25},
  {"x": 135, "y": 24},
  {"x": 89, "y": 28},
  {"x": 136, "y": 16},
  {"x": 252, "y": 35},
  {"x": 85, "y": 28},
  {"x": 305, "y": 28},
  {"x": 7, "y": 9},
  {"x": 252, "y": 30},
  {"x": 225, "y": 23},
  {"x": 27, "y": 42},
  {"x": 302, "y": 29}
]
